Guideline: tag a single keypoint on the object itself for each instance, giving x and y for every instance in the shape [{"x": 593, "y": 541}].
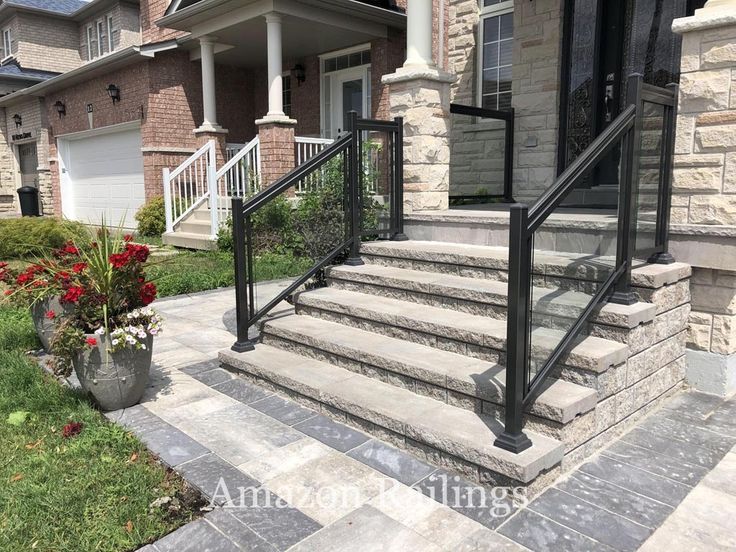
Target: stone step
[
  {"x": 193, "y": 226},
  {"x": 456, "y": 379},
  {"x": 431, "y": 423},
  {"x": 189, "y": 240},
  {"x": 480, "y": 261},
  {"x": 476, "y": 336},
  {"x": 481, "y": 296}
]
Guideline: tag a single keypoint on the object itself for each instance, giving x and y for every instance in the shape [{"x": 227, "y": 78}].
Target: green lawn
[
  {"x": 192, "y": 271},
  {"x": 90, "y": 492}
]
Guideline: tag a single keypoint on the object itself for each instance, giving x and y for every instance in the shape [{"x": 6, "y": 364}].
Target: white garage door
[{"x": 102, "y": 176}]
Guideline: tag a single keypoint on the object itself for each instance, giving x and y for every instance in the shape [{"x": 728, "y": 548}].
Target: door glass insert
[{"x": 352, "y": 99}]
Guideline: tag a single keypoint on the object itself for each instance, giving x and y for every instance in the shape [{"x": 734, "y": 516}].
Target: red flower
[
  {"x": 73, "y": 294},
  {"x": 119, "y": 260},
  {"x": 72, "y": 429},
  {"x": 8, "y": 292},
  {"x": 148, "y": 293},
  {"x": 50, "y": 315},
  {"x": 91, "y": 341},
  {"x": 138, "y": 252},
  {"x": 78, "y": 267},
  {"x": 70, "y": 249},
  {"x": 127, "y": 238}
]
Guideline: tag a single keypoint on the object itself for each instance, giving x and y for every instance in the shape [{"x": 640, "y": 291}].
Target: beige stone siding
[
  {"x": 47, "y": 43},
  {"x": 14, "y": 25},
  {"x": 8, "y": 196},
  {"x": 126, "y": 28},
  {"x": 477, "y": 153}
]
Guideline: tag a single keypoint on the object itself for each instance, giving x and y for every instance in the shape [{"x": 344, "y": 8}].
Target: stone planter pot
[
  {"x": 115, "y": 380},
  {"x": 46, "y": 327}
]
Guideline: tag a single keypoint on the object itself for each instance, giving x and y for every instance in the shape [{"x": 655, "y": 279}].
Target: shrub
[
  {"x": 273, "y": 229},
  {"x": 152, "y": 218},
  {"x": 29, "y": 236}
]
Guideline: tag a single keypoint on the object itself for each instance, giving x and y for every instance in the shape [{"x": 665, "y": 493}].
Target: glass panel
[
  {"x": 477, "y": 149},
  {"x": 645, "y": 198},
  {"x": 569, "y": 267},
  {"x": 490, "y": 81},
  {"x": 490, "y": 29},
  {"x": 507, "y": 26},
  {"x": 352, "y": 99},
  {"x": 376, "y": 179},
  {"x": 290, "y": 235},
  {"x": 497, "y": 59}
]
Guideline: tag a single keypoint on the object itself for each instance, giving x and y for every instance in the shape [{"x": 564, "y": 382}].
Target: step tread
[
  {"x": 553, "y": 263},
  {"x": 591, "y": 353},
  {"x": 561, "y": 401},
  {"x": 448, "y": 428},
  {"x": 550, "y": 301}
]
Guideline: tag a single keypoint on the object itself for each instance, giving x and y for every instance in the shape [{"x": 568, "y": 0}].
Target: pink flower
[
  {"x": 50, "y": 315},
  {"x": 91, "y": 341}
]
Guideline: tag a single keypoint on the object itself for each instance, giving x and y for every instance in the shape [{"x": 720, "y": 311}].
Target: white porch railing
[
  {"x": 305, "y": 149},
  {"x": 190, "y": 185},
  {"x": 240, "y": 175}
]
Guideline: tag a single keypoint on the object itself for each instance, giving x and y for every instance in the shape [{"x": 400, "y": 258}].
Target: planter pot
[
  {"x": 45, "y": 327},
  {"x": 115, "y": 380}
]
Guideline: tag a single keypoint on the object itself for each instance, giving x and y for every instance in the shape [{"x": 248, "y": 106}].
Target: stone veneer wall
[
  {"x": 478, "y": 147},
  {"x": 8, "y": 183},
  {"x": 703, "y": 221}
]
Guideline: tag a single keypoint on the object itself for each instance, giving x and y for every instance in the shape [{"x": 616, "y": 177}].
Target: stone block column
[
  {"x": 703, "y": 222},
  {"x": 420, "y": 93}
]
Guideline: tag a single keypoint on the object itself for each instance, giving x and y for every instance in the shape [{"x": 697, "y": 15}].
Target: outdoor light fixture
[
  {"x": 114, "y": 92},
  {"x": 60, "y": 108},
  {"x": 299, "y": 73},
  {"x": 18, "y": 120}
]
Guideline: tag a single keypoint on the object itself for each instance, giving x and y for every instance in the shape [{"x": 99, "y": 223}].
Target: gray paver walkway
[{"x": 302, "y": 481}]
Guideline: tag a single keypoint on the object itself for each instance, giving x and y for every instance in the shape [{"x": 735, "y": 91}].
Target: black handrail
[
  {"x": 349, "y": 144},
  {"x": 507, "y": 116},
  {"x": 625, "y": 130}
]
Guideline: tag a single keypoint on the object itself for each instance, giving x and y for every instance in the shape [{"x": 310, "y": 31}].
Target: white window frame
[
  {"x": 284, "y": 75},
  {"x": 100, "y": 26},
  {"x": 7, "y": 43},
  {"x": 92, "y": 37},
  {"x": 502, "y": 8},
  {"x": 110, "y": 30}
]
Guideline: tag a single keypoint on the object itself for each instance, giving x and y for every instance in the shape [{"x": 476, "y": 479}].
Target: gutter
[{"x": 101, "y": 65}]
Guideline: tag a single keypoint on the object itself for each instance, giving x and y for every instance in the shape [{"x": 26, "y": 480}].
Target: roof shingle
[{"x": 63, "y": 7}]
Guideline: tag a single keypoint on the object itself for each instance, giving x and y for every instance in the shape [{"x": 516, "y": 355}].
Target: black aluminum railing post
[
  {"x": 517, "y": 331},
  {"x": 354, "y": 190},
  {"x": 623, "y": 294},
  {"x": 398, "y": 170},
  {"x": 243, "y": 284},
  {"x": 508, "y": 164},
  {"x": 665, "y": 191}
]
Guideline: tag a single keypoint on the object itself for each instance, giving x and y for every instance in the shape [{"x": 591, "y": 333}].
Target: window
[
  {"x": 286, "y": 93},
  {"x": 7, "y": 43},
  {"x": 346, "y": 61},
  {"x": 92, "y": 44},
  {"x": 101, "y": 37},
  {"x": 110, "y": 38},
  {"x": 496, "y": 51}
]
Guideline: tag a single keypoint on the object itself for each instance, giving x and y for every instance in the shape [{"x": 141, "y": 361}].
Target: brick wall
[
  {"x": 152, "y": 10},
  {"x": 46, "y": 43}
]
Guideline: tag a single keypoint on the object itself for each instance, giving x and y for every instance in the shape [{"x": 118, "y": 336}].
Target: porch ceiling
[
  {"x": 308, "y": 26},
  {"x": 244, "y": 44}
]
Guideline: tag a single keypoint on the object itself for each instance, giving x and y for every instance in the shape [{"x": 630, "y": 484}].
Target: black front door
[{"x": 605, "y": 41}]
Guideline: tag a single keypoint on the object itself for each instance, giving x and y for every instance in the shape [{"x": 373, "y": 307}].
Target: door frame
[{"x": 336, "y": 82}]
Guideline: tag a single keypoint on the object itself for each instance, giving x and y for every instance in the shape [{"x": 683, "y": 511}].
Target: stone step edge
[
  {"x": 609, "y": 314},
  {"x": 576, "y": 358},
  {"x": 307, "y": 377},
  {"x": 496, "y": 258},
  {"x": 552, "y": 404}
]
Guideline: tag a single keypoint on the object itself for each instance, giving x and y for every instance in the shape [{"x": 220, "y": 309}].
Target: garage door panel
[{"x": 105, "y": 177}]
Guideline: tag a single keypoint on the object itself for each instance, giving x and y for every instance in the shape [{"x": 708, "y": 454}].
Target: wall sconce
[
  {"x": 299, "y": 74},
  {"x": 18, "y": 120},
  {"x": 60, "y": 108},
  {"x": 114, "y": 92}
]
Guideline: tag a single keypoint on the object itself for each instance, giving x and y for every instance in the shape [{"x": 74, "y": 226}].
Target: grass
[
  {"x": 88, "y": 492},
  {"x": 193, "y": 271}
]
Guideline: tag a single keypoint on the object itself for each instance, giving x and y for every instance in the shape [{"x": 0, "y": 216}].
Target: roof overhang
[
  {"x": 208, "y": 16},
  {"x": 100, "y": 66}
]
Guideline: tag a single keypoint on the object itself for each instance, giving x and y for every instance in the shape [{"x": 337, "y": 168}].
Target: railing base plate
[
  {"x": 623, "y": 298},
  {"x": 513, "y": 443},
  {"x": 243, "y": 346},
  {"x": 354, "y": 261},
  {"x": 661, "y": 258},
  {"x": 400, "y": 236}
]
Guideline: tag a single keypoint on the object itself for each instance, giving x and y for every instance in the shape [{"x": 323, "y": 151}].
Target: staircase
[{"x": 411, "y": 346}]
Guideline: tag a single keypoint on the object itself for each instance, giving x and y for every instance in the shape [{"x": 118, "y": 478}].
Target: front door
[
  {"x": 606, "y": 41},
  {"x": 349, "y": 91},
  {"x": 28, "y": 163}
]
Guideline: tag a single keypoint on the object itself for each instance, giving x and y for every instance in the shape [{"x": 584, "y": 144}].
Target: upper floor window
[
  {"x": 496, "y": 42},
  {"x": 110, "y": 38},
  {"x": 7, "y": 43},
  {"x": 93, "y": 45},
  {"x": 100, "y": 37}
]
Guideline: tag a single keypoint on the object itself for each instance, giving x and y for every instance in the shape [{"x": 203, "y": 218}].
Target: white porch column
[
  {"x": 275, "y": 85},
  {"x": 419, "y": 34},
  {"x": 209, "y": 101}
]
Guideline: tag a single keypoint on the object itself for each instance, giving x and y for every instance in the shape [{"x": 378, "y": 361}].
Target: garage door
[{"x": 102, "y": 176}]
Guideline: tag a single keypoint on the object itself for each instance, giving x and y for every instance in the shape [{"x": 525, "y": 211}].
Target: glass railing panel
[{"x": 376, "y": 178}]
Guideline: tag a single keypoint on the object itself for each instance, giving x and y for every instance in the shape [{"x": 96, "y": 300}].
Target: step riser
[
  {"x": 570, "y": 373},
  {"x": 200, "y": 228},
  {"x": 498, "y": 274}
]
